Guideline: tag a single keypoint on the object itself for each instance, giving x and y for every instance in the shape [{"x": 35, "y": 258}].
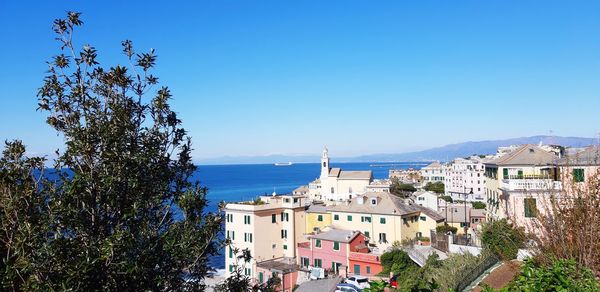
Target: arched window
[{"x": 324, "y": 164}]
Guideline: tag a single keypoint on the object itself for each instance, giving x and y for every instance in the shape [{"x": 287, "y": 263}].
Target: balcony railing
[
  {"x": 304, "y": 245},
  {"x": 530, "y": 184}
]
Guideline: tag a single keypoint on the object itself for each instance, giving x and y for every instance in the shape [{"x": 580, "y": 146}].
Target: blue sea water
[{"x": 231, "y": 183}]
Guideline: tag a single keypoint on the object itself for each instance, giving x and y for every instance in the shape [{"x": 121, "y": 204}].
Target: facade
[
  {"x": 337, "y": 249},
  {"x": 426, "y": 199},
  {"x": 517, "y": 181},
  {"x": 465, "y": 178},
  {"x": 409, "y": 176},
  {"x": 461, "y": 215},
  {"x": 384, "y": 218},
  {"x": 283, "y": 268},
  {"x": 317, "y": 218},
  {"x": 337, "y": 185},
  {"x": 379, "y": 185},
  {"x": 270, "y": 228},
  {"x": 432, "y": 173}
]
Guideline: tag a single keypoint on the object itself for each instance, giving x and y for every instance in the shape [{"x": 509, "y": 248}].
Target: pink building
[
  {"x": 333, "y": 249},
  {"x": 283, "y": 268}
]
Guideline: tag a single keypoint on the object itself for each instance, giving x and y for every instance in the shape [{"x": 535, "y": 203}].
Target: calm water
[{"x": 231, "y": 183}]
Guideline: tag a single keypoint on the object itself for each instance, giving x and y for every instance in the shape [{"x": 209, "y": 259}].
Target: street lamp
[{"x": 465, "y": 204}]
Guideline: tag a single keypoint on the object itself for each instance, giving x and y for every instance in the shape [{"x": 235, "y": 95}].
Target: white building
[
  {"x": 465, "y": 179},
  {"x": 426, "y": 199},
  {"x": 433, "y": 173},
  {"x": 338, "y": 185}
]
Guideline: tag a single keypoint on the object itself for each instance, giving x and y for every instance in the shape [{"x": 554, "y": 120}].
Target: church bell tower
[{"x": 325, "y": 164}]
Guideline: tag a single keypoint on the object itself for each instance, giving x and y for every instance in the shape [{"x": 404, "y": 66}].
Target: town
[{"x": 337, "y": 228}]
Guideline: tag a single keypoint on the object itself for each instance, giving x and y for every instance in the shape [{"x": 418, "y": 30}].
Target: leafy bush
[
  {"x": 396, "y": 261},
  {"x": 447, "y": 199},
  {"x": 436, "y": 187},
  {"x": 503, "y": 239},
  {"x": 561, "y": 275},
  {"x": 478, "y": 205},
  {"x": 445, "y": 229}
]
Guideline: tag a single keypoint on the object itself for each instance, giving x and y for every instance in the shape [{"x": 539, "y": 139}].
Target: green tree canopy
[
  {"x": 503, "y": 239},
  {"x": 436, "y": 187},
  {"x": 122, "y": 212}
]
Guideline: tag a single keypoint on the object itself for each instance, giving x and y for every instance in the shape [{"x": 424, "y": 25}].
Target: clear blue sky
[{"x": 263, "y": 77}]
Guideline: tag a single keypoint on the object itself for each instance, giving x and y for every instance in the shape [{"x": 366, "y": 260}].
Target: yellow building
[
  {"x": 270, "y": 228},
  {"x": 317, "y": 216},
  {"x": 385, "y": 218}
]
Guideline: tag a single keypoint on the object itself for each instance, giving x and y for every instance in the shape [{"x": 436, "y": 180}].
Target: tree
[
  {"x": 478, "y": 205},
  {"x": 503, "y": 239},
  {"x": 122, "y": 212},
  {"x": 401, "y": 189},
  {"x": 436, "y": 187}
]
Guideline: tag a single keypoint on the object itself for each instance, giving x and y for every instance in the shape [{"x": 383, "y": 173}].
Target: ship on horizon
[{"x": 283, "y": 163}]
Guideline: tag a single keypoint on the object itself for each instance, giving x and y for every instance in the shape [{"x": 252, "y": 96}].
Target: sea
[{"x": 233, "y": 183}]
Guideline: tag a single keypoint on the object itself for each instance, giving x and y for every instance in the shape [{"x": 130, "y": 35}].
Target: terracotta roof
[
  {"x": 435, "y": 164},
  {"x": 316, "y": 209},
  {"x": 525, "y": 155},
  {"x": 387, "y": 204}
]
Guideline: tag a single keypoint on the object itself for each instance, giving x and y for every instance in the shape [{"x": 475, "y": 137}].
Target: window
[
  {"x": 373, "y": 202},
  {"x": 231, "y": 268},
  {"x": 247, "y": 271},
  {"x": 332, "y": 190},
  {"x": 320, "y": 218},
  {"x": 367, "y": 234},
  {"x": 318, "y": 263},
  {"x": 229, "y": 218},
  {"x": 287, "y": 200},
  {"x": 335, "y": 266},
  {"x": 283, "y": 233},
  {"x": 336, "y": 245},
  {"x": 405, "y": 220},
  {"x": 368, "y": 270},
  {"x": 421, "y": 199},
  {"x": 350, "y": 190},
  {"x": 285, "y": 246},
  {"x": 349, "y": 217},
  {"x": 578, "y": 175},
  {"x": 295, "y": 200},
  {"x": 462, "y": 224},
  {"x": 530, "y": 207},
  {"x": 505, "y": 173},
  {"x": 336, "y": 217},
  {"x": 230, "y": 252},
  {"x": 273, "y": 218},
  {"x": 285, "y": 217},
  {"x": 231, "y": 234},
  {"x": 365, "y": 219},
  {"x": 324, "y": 164},
  {"x": 247, "y": 237},
  {"x": 305, "y": 262},
  {"x": 382, "y": 220},
  {"x": 260, "y": 277},
  {"x": 318, "y": 243},
  {"x": 246, "y": 219},
  {"x": 382, "y": 237},
  {"x": 423, "y": 218}
]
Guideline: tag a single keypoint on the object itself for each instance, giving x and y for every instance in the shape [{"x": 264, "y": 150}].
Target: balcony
[
  {"x": 365, "y": 257},
  {"x": 530, "y": 184}
]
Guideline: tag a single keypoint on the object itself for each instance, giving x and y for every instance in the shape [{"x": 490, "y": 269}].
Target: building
[
  {"x": 317, "y": 218},
  {"x": 426, "y": 199},
  {"x": 465, "y": 179},
  {"x": 408, "y": 176},
  {"x": 379, "y": 185},
  {"x": 432, "y": 173},
  {"x": 270, "y": 227},
  {"x": 516, "y": 181},
  {"x": 580, "y": 166},
  {"x": 337, "y": 249},
  {"x": 339, "y": 185},
  {"x": 384, "y": 218},
  {"x": 285, "y": 269}
]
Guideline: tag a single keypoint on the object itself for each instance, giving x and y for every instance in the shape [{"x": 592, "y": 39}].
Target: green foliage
[
  {"x": 447, "y": 199},
  {"x": 401, "y": 189},
  {"x": 503, "y": 239},
  {"x": 445, "y": 229},
  {"x": 478, "y": 205},
  {"x": 561, "y": 275},
  {"x": 436, "y": 187},
  {"x": 377, "y": 286},
  {"x": 122, "y": 212},
  {"x": 396, "y": 261}
]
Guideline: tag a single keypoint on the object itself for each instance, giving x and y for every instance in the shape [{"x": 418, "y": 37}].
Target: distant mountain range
[{"x": 444, "y": 153}]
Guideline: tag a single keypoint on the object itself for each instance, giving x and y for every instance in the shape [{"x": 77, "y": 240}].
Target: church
[{"x": 337, "y": 185}]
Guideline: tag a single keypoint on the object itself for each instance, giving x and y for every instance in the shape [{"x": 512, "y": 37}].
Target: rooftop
[
  {"x": 336, "y": 235},
  {"x": 525, "y": 155},
  {"x": 589, "y": 156},
  {"x": 281, "y": 265}
]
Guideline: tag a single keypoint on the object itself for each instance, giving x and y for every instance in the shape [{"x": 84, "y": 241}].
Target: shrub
[
  {"x": 478, "y": 205},
  {"x": 561, "y": 275},
  {"x": 437, "y": 187},
  {"x": 503, "y": 239},
  {"x": 445, "y": 229}
]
